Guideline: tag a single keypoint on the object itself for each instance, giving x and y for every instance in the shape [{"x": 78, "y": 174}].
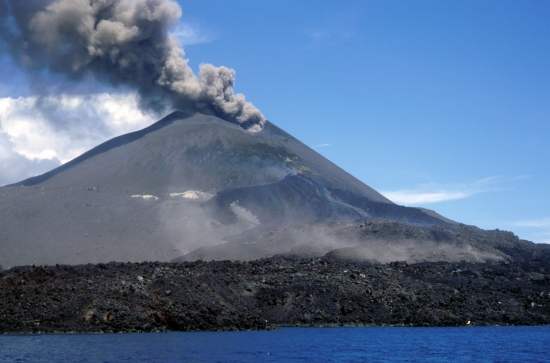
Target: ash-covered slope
[
  {"x": 178, "y": 185},
  {"x": 199, "y": 152}
]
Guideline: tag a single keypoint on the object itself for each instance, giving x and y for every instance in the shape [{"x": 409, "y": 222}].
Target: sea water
[{"x": 392, "y": 344}]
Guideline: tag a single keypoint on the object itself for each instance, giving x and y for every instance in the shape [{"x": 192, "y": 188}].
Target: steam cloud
[{"x": 121, "y": 42}]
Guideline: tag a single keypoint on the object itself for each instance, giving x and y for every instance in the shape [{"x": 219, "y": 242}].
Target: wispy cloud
[
  {"x": 415, "y": 197},
  {"x": 537, "y": 229},
  {"x": 37, "y": 134},
  {"x": 336, "y": 29},
  {"x": 320, "y": 145},
  {"x": 433, "y": 193},
  {"x": 487, "y": 180},
  {"x": 332, "y": 35},
  {"x": 538, "y": 223},
  {"x": 189, "y": 34}
]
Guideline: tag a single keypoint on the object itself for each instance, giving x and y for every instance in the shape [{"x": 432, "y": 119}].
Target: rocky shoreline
[{"x": 266, "y": 293}]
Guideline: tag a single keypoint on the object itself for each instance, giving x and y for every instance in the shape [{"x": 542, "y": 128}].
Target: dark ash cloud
[{"x": 121, "y": 42}]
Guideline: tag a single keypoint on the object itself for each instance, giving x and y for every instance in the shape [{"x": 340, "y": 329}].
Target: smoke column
[{"x": 121, "y": 42}]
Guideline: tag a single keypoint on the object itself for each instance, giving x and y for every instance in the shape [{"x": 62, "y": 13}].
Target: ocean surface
[{"x": 465, "y": 344}]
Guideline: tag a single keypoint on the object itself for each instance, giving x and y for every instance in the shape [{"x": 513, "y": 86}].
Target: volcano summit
[{"x": 198, "y": 187}]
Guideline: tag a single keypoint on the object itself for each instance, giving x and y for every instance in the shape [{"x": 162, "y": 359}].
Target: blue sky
[{"x": 439, "y": 104}]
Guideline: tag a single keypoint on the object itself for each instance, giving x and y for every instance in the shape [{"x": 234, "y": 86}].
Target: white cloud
[
  {"x": 336, "y": 29},
  {"x": 542, "y": 237},
  {"x": 487, "y": 180},
  {"x": 536, "y": 230},
  {"x": 320, "y": 145},
  {"x": 37, "y": 134},
  {"x": 189, "y": 34},
  {"x": 538, "y": 223},
  {"x": 432, "y": 193},
  {"x": 414, "y": 197},
  {"x": 15, "y": 167},
  {"x": 328, "y": 36}
]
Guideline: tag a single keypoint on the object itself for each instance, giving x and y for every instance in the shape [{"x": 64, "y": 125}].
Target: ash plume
[{"x": 121, "y": 42}]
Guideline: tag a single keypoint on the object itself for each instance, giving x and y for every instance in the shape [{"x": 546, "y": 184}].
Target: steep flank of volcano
[
  {"x": 103, "y": 148},
  {"x": 182, "y": 184},
  {"x": 198, "y": 152}
]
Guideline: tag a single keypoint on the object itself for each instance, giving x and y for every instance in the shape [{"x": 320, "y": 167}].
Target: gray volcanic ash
[{"x": 121, "y": 42}]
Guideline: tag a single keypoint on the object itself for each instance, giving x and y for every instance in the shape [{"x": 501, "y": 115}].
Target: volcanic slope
[{"x": 183, "y": 184}]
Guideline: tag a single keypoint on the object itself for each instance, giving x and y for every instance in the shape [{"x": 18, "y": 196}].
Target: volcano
[{"x": 198, "y": 187}]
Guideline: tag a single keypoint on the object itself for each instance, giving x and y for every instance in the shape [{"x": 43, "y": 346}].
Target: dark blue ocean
[{"x": 469, "y": 344}]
